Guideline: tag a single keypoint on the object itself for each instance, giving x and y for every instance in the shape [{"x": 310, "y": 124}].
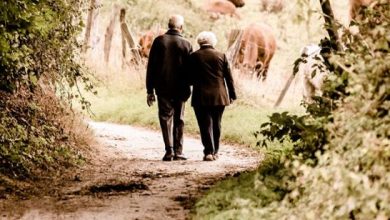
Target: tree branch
[{"x": 330, "y": 25}]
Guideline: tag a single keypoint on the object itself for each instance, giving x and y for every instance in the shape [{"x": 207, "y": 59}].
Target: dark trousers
[
  {"x": 171, "y": 116},
  {"x": 209, "y": 121}
]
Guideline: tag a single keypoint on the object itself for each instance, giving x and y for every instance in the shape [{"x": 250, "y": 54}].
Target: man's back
[{"x": 165, "y": 65}]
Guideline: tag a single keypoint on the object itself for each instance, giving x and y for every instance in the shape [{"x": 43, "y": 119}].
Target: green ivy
[
  {"x": 39, "y": 60},
  {"x": 38, "y": 38},
  {"x": 350, "y": 179}
]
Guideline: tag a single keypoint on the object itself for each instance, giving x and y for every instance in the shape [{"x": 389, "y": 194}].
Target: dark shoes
[
  {"x": 179, "y": 157},
  {"x": 168, "y": 156}
]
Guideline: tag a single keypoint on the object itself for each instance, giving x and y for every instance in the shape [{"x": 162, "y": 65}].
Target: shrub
[
  {"x": 39, "y": 63},
  {"x": 38, "y": 134},
  {"x": 350, "y": 176}
]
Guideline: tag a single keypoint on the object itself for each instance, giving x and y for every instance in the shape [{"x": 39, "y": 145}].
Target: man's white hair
[
  {"x": 206, "y": 38},
  {"x": 175, "y": 22}
]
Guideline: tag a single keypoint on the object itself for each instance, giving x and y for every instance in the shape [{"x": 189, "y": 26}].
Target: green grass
[
  {"x": 242, "y": 196},
  {"x": 123, "y": 100}
]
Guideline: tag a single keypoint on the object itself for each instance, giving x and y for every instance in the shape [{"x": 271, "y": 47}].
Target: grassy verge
[
  {"x": 122, "y": 99},
  {"x": 240, "y": 197}
]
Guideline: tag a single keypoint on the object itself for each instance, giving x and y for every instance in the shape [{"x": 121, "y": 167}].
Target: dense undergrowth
[
  {"x": 39, "y": 138},
  {"x": 342, "y": 172},
  {"x": 39, "y": 134}
]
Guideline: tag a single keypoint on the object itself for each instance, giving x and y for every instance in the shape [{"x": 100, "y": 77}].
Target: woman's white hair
[
  {"x": 176, "y": 21},
  {"x": 206, "y": 38}
]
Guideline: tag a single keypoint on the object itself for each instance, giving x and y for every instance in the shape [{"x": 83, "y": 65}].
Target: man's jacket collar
[{"x": 173, "y": 32}]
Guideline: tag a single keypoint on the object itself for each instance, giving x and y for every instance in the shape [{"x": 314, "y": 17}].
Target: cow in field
[
  {"x": 238, "y": 3},
  {"x": 271, "y": 5},
  {"x": 257, "y": 47},
  {"x": 221, "y": 7},
  {"x": 312, "y": 71},
  {"x": 146, "y": 40}
]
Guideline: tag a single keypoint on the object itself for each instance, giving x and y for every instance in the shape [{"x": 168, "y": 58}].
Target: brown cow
[
  {"x": 238, "y": 3},
  {"x": 271, "y": 5},
  {"x": 221, "y": 7},
  {"x": 146, "y": 40},
  {"x": 257, "y": 49}
]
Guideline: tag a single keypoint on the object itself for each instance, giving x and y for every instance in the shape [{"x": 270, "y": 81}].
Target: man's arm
[
  {"x": 151, "y": 73},
  {"x": 184, "y": 82},
  {"x": 151, "y": 68}
]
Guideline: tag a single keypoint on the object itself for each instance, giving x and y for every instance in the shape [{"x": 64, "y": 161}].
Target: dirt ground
[{"x": 127, "y": 179}]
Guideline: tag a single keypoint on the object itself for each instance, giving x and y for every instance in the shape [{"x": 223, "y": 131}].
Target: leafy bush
[
  {"x": 351, "y": 173},
  {"x": 39, "y": 62},
  {"x": 306, "y": 133},
  {"x": 37, "y": 134},
  {"x": 38, "y": 38},
  {"x": 351, "y": 179}
]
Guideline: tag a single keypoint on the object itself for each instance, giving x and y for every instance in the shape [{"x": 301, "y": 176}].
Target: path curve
[{"x": 127, "y": 179}]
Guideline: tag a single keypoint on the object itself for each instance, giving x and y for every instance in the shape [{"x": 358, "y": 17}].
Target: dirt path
[{"x": 128, "y": 180}]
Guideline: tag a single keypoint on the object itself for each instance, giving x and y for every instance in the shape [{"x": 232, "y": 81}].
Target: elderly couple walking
[{"x": 172, "y": 68}]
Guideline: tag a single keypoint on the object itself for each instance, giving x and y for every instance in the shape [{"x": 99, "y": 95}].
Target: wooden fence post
[
  {"x": 109, "y": 34},
  {"x": 234, "y": 44},
  {"x": 128, "y": 37}
]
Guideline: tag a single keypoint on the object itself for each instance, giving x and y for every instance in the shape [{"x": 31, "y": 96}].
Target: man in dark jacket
[
  {"x": 164, "y": 76},
  {"x": 213, "y": 89}
]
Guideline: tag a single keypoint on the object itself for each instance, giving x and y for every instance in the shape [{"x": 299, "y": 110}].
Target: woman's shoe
[{"x": 208, "y": 157}]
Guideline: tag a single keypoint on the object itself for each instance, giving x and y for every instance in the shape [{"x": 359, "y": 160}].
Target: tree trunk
[{"x": 330, "y": 25}]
